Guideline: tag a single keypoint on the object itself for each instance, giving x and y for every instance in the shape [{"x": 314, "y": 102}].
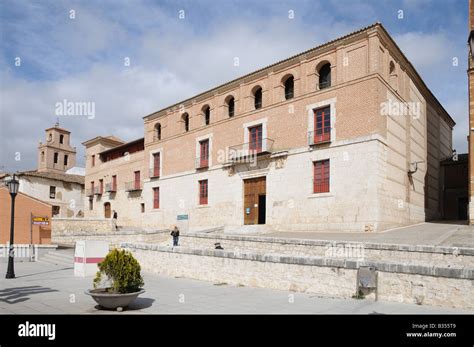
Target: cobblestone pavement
[{"x": 44, "y": 288}]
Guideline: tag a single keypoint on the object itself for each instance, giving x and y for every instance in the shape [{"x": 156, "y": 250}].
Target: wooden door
[
  {"x": 107, "y": 210},
  {"x": 253, "y": 188}
]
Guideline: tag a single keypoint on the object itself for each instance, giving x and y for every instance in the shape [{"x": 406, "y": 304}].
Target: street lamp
[{"x": 13, "y": 186}]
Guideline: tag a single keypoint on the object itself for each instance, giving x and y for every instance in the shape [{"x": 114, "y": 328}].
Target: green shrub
[{"x": 122, "y": 269}]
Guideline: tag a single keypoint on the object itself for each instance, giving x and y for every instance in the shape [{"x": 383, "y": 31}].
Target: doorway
[
  {"x": 107, "y": 210},
  {"x": 255, "y": 201}
]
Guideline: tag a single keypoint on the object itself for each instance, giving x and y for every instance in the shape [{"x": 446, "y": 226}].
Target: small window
[
  {"x": 65, "y": 159},
  {"x": 93, "y": 160},
  {"x": 325, "y": 76},
  {"x": 56, "y": 210},
  {"x": 207, "y": 115},
  {"x": 289, "y": 88},
  {"x": 258, "y": 98},
  {"x": 52, "y": 192},
  {"x": 203, "y": 192},
  {"x": 114, "y": 183},
  {"x": 321, "y": 176},
  {"x": 156, "y": 197},
  {"x": 61, "y": 139},
  {"x": 91, "y": 204},
  {"x": 392, "y": 68},
  {"x": 231, "y": 106},
  {"x": 157, "y": 135},
  {"x": 50, "y": 137},
  {"x": 185, "y": 118},
  {"x": 142, "y": 207},
  {"x": 137, "y": 179},
  {"x": 56, "y": 157},
  {"x": 42, "y": 155},
  {"x": 101, "y": 186}
]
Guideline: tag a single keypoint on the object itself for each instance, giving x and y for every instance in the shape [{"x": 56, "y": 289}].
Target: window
[
  {"x": 142, "y": 207},
  {"x": 61, "y": 139},
  {"x": 93, "y": 160},
  {"x": 321, "y": 176},
  {"x": 204, "y": 153},
  {"x": 101, "y": 186},
  {"x": 114, "y": 183},
  {"x": 42, "y": 155},
  {"x": 92, "y": 188},
  {"x": 203, "y": 192},
  {"x": 137, "y": 179},
  {"x": 55, "y": 210},
  {"x": 392, "y": 68},
  {"x": 322, "y": 124},
  {"x": 156, "y": 165},
  {"x": 255, "y": 135},
  {"x": 325, "y": 76},
  {"x": 52, "y": 192},
  {"x": 56, "y": 156},
  {"x": 156, "y": 197},
  {"x": 289, "y": 87},
  {"x": 157, "y": 135},
  {"x": 258, "y": 98},
  {"x": 91, "y": 204},
  {"x": 65, "y": 159},
  {"x": 185, "y": 118},
  {"x": 207, "y": 115},
  {"x": 231, "y": 106}
]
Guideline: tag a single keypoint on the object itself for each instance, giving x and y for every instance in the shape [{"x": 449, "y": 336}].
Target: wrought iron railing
[
  {"x": 251, "y": 148},
  {"x": 319, "y": 136},
  {"x": 133, "y": 186}
]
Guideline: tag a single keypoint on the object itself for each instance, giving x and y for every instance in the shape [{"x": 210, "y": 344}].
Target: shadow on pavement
[
  {"x": 45, "y": 272},
  {"x": 21, "y": 294}
]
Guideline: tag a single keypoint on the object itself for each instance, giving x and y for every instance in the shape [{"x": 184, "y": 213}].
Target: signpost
[{"x": 40, "y": 221}]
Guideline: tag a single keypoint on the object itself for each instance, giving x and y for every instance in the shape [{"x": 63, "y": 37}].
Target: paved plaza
[{"x": 42, "y": 288}]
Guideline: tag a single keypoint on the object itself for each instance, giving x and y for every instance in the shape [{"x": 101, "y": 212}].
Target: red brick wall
[{"x": 24, "y": 206}]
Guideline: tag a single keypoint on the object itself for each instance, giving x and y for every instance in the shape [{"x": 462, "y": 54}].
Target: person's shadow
[{"x": 20, "y": 294}]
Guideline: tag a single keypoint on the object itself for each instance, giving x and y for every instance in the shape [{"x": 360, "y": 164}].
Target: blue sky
[{"x": 82, "y": 59}]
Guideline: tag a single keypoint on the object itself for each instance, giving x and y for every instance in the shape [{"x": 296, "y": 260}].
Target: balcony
[
  {"x": 202, "y": 163},
  {"x": 250, "y": 149},
  {"x": 319, "y": 136},
  {"x": 133, "y": 186},
  {"x": 90, "y": 192},
  {"x": 110, "y": 188},
  {"x": 154, "y": 172},
  {"x": 97, "y": 191}
]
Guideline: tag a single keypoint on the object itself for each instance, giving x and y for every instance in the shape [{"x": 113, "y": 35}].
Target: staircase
[{"x": 63, "y": 257}]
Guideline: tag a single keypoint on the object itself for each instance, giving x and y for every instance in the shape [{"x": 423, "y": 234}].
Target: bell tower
[{"x": 56, "y": 154}]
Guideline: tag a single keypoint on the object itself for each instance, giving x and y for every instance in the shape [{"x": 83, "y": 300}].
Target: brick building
[{"x": 344, "y": 136}]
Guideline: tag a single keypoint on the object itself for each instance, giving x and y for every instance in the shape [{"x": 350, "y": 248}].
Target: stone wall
[
  {"x": 407, "y": 283},
  {"x": 411, "y": 254},
  {"x": 114, "y": 238},
  {"x": 72, "y": 225}
]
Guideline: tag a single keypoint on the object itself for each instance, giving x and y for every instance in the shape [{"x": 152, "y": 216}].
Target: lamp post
[{"x": 13, "y": 186}]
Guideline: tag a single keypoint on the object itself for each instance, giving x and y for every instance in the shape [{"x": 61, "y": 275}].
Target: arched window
[
  {"x": 185, "y": 118},
  {"x": 258, "y": 98},
  {"x": 157, "y": 134},
  {"x": 289, "y": 87},
  {"x": 207, "y": 114},
  {"x": 391, "y": 68},
  {"x": 325, "y": 76},
  {"x": 230, "y": 101}
]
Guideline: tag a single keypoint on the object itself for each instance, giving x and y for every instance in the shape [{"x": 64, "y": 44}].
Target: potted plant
[{"x": 118, "y": 281}]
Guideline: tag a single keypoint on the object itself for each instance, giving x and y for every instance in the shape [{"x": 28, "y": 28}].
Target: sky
[{"x": 131, "y": 58}]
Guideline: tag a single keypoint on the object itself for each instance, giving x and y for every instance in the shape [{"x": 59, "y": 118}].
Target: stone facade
[{"x": 387, "y": 135}]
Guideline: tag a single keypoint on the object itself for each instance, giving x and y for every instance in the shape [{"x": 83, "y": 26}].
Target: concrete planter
[{"x": 113, "y": 301}]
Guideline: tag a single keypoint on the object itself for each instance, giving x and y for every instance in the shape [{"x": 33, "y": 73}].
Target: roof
[
  {"x": 60, "y": 129},
  {"x": 76, "y": 170},
  {"x": 54, "y": 176},
  {"x": 302, "y": 55},
  {"x": 142, "y": 139},
  {"x": 110, "y": 139}
]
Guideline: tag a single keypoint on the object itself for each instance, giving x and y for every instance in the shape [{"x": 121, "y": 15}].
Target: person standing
[
  {"x": 114, "y": 220},
  {"x": 175, "y": 234}
]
